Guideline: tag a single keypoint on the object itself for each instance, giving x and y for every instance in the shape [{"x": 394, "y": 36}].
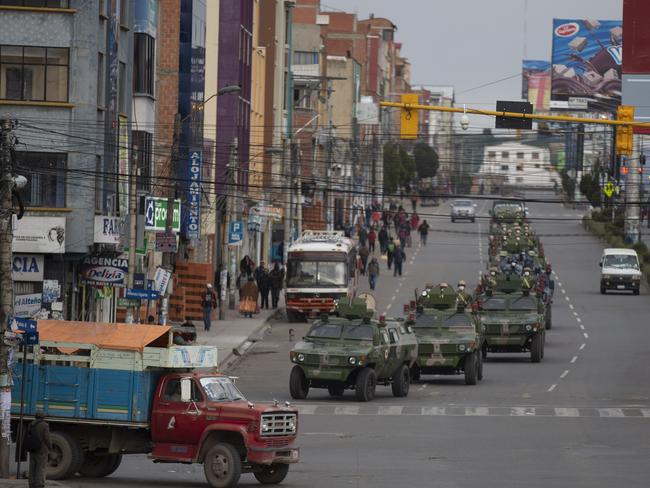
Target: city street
[{"x": 580, "y": 418}]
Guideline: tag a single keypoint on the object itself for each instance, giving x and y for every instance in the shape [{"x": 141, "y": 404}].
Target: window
[
  {"x": 537, "y": 165},
  {"x": 387, "y": 34},
  {"x": 492, "y": 154},
  {"x": 394, "y": 336},
  {"x": 173, "y": 391},
  {"x": 124, "y": 12},
  {"x": 520, "y": 155},
  {"x": 100, "y": 79},
  {"x": 37, "y": 3},
  {"x": 504, "y": 167},
  {"x": 535, "y": 155},
  {"x": 143, "y": 63},
  {"x": 520, "y": 167},
  {"x": 122, "y": 89},
  {"x": 302, "y": 98},
  {"x": 305, "y": 57},
  {"x": 34, "y": 73},
  {"x": 45, "y": 174},
  {"x": 505, "y": 154},
  {"x": 144, "y": 141},
  {"x": 99, "y": 180}
]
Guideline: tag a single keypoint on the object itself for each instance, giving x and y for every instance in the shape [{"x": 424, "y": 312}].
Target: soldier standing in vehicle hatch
[
  {"x": 38, "y": 458},
  {"x": 463, "y": 298}
]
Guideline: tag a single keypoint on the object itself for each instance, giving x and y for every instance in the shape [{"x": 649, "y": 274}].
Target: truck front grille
[{"x": 278, "y": 424}]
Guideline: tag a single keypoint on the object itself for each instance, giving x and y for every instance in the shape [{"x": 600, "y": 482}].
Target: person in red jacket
[{"x": 372, "y": 237}]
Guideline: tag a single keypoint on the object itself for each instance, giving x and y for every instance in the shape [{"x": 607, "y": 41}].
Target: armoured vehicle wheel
[
  {"x": 471, "y": 369},
  {"x": 415, "y": 373},
  {"x": 298, "y": 384},
  {"x": 549, "y": 319},
  {"x": 222, "y": 466},
  {"x": 485, "y": 352},
  {"x": 603, "y": 290},
  {"x": 272, "y": 475},
  {"x": 479, "y": 356},
  {"x": 473, "y": 220},
  {"x": 453, "y": 220},
  {"x": 401, "y": 382},
  {"x": 636, "y": 292},
  {"x": 366, "y": 384},
  {"x": 97, "y": 466},
  {"x": 336, "y": 390},
  {"x": 536, "y": 349},
  {"x": 66, "y": 457}
]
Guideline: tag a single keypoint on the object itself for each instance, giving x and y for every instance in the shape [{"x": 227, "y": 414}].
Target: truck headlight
[
  {"x": 265, "y": 427},
  {"x": 462, "y": 347},
  {"x": 529, "y": 327},
  {"x": 607, "y": 277},
  {"x": 301, "y": 357},
  {"x": 291, "y": 425},
  {"x": 352, "y": 360}
]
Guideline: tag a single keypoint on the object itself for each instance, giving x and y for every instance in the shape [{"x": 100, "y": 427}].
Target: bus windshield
[{"x": 316, "y": 273}]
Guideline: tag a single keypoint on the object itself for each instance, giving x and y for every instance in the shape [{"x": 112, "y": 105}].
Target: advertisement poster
[
  {"x": 51, "y": 291},
  {"x": 536, "y": 83},
  {"x": 587, "y": 60},
  {"x": 39, "y": 235},
  {"x": 193, "y": 222},
  {"x": 27, "y": 306},
  {"x": 104, "y": 270}
]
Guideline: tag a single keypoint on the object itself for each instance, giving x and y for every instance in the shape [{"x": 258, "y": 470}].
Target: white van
[{"x": 620, "y": 270}]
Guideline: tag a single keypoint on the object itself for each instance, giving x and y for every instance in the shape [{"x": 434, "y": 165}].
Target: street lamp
[{"x": 223, "y": 91}]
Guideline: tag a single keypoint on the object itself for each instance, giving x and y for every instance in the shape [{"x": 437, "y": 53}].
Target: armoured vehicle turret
[
  {"x": 352, "y": 350},
  {"x": 513, "y": 315},
  {"x": 450, "y": 339},
  {"x": 507, "y": 211}
]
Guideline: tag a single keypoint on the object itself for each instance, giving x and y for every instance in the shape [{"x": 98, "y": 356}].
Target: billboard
[
  {"x": 536, "y": 83},
  {"x": 587, "y": 59}
]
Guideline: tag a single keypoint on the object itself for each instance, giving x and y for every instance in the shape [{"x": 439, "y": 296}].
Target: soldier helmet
[
  {"x": 462, "y": 283},
  {"x": 443, "y": 285}
]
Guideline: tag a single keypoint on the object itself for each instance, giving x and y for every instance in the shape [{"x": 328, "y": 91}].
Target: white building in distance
[{"x": 517, "y": 165}]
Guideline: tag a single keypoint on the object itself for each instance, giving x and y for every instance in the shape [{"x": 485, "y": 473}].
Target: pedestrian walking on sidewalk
[
  {"x": 373, "y": 273},
  {"x": 363, "y": 254},
  {"x": 248, "y": 300},
  {"x": 398, "y": 259},
  {"x": 208, "y": 304},
  {"x": 372, "y": 238},
  {"x": 363, "y": 236},
  {"x": 383, "y": 239},
  {"x": 390, "y": 251},
  {"x": 276, "y": 278},
  {"x": 38, "y": 448},
  {"x": 424, "y": 232},
  {"x": 263, "y": 285}
]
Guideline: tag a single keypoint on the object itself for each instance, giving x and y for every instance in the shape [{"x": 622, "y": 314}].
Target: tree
[
  {"x": 590, "y": 188},
  {"x": 392, "y": 168},
  {"x": 408, "y": 166},
  {"x": 426, "y": 160}
]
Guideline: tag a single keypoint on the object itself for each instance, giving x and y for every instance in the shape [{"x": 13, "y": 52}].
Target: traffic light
[
  {"x": 625, "y": 133},
  {"x": 409, "y": 117}
]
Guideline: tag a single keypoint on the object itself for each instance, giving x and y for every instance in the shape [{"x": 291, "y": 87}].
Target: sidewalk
[
  {"x": 24, "y": 483},
  {"x": 235, "y": 334}
]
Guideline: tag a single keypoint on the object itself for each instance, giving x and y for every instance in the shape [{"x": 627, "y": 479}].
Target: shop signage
[
  {"x": 27, "y": 305},
  {"x": 192, "y": 224},
  {"x": 108, "y": 230},
  {"x": 273, "y": 213},
  {"x": 104, "y": 270},
  {"x": 127, "y": 302},
  {"x": 140, "y": 294},
  {"x": 161, "y": 280},
  {"x": 166, "y": 242},
  {"x": 27, "y": 267},
  {"x": 39, "y": 235},
  {"x": 155, "y": 214},
  {"x": 236, "y": 233}
]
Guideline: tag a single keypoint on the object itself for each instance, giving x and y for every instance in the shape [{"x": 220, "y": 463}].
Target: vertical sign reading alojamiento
[{"x": 193, "y": 221}]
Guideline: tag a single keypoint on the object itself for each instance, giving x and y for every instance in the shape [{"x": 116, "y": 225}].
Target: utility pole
[
  {"x": 232, "y": 186},
  {"x": 632, "y": 195},
  {"x": 131, "y": 310},
  {"x": 329, "y": 201},
  {"x": 297, "y": 165},
  {"x": 6, "y": 282}
]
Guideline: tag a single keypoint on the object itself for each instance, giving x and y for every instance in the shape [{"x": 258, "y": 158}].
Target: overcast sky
[{"x": 467, "y": 43}]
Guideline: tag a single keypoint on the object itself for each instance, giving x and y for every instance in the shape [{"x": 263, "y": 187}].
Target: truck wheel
[
  {"x": 298, "y": 384},
  {"x": 366, "y": 384},
  {"x": 479, "y": 356},
  {"x": 603, "y": 290},
  {"x": 98, "y": 466},
  {"x": 401, "y": 382},
  {"x": 636, "y": 291},
  {"x": 549, "y": 319},
  {"x": 336, "y": 391},
  {"x": 222, "y": 466},
  {"x": 471, "y": 369},
  {"x": 66, "y": 456},
  {"x": 536, "y": 349},
  {"x": 272, "y": 475}
]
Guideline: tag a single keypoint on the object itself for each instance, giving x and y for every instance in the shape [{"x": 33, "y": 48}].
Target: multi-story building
[{"x": 65, "y": 78}]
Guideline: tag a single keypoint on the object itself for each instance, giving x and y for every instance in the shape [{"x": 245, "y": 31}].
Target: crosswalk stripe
[
  {"x": 477, "y": 411},
  {"x": 433, "y": 410},
  {"x": 346, "y": 410},
  {"x": 307, "y": 409},
  {"x": 390, "y": 410},
  {"x": 522, "y": 411},
  {"x": 567, "y": 412},
  {"x": 645, "y": 412},
  {"x": 610, "y": 412}
]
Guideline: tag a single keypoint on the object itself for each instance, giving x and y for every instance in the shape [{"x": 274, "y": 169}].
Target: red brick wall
[
  {"x": 189, "y": 284},
  {"x": 306, "y": 11}
]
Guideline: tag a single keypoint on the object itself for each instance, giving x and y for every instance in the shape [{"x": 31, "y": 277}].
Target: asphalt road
[{"x": 581, "y": 418}]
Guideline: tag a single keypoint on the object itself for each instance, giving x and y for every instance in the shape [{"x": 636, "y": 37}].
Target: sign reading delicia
[
  {"x": 193, "y": 220},
  {"x": 104, "y": 270}
]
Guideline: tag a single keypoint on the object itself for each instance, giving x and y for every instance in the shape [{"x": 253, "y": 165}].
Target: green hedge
[{"x": 602, "y": 226}]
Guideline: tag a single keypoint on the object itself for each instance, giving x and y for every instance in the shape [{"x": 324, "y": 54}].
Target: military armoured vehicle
[
  {"x": 353, "y": 351},
  {"x": 450, "y": 339},
  {"x": 507, "y": 211},
  {"x": 513, "y": 317}
]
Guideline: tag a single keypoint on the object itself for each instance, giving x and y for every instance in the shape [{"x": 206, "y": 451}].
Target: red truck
[{"x": 100, "y": 407}]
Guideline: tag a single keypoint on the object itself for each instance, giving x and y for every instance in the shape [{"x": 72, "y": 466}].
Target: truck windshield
[
  {"x": 424, "y": 321},
  {"x": 325, "y": 331},
  {"x": 494, "y": 304},
  {"x": 221, "y": 389},
  {"x": 523, "y": 303},
  {"x": 358, "y": 332},
  {"x": 316, "y": 273},
  {"x": 457, "y": 320},
  {"x": 621, "y": 261}
]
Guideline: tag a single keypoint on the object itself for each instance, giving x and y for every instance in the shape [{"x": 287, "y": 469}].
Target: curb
[{"x": 242, "y": 349}]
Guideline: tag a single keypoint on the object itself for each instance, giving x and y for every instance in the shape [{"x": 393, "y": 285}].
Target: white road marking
[
  {"x": 567, "y": 299},
  {"x": 552, "y": 387},
  {"x": 586, "y": 335},
  {"x": 388, "y": 306},
  {"x": 563, "y": 291},
  {"x": 392, "y": 299},
  {"x": 574, "y": 313},
  {"x": 645, "y": 412},
  {"x": 422, "y": 387},
  {"x": 523, "y": 411},
  {"x": 563, "y": 375},
  {"x": 610, "y": 412},
  {"x": 477, "y": 411},
  {"x": 567, "y": 412},
  {"x": 559, "y": 283},
  {"x": 574, "y": 359},
  {"x": 582, "y": 327},
  {"x": 306, "y": 409},
  {"x": 433, "y": 410},
  {"x": 582, "y": 346},
  {"x": 578, "y": 319},
  {"x": 394, "y": 410},
  {"x": 571, "y": 306},
  {"x": 346, "y": 410}
]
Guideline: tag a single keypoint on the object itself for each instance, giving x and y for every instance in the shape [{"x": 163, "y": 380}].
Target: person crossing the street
[
  {"x": 373, "y": 273},
  {"x": 399, "y": 256},
  {"x": 423, "y": 229}
]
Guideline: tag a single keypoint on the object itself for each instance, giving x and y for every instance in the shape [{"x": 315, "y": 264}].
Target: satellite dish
[{"x": 371, "y": 303}]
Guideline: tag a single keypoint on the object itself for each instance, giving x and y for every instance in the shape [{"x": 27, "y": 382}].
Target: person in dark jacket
[
  {"x": 399, "y": 256},
  {"x": 383, "y": 239},
  {"x": 263, "y": 285},
  {"x": 208, "y": 303},
  {"x": 363, "y": 254},
  {"x": 276, "y": 280},
  {"x": 38, "y": 459},
  {"x": 363, "y": 236},
  {"x": 390, "y": 251},
  {"x": 373, "y": 273}
]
